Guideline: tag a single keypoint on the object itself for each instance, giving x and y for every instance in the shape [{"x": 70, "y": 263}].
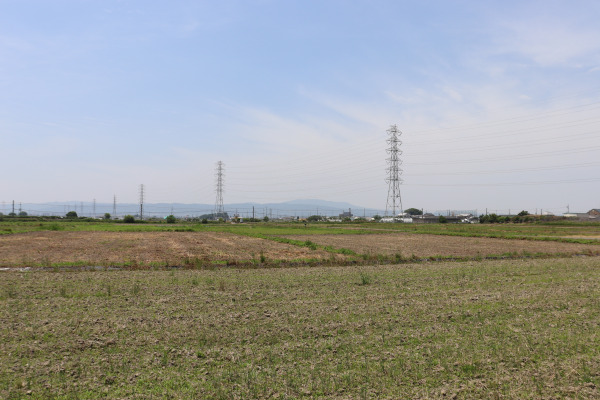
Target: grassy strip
[{"x": 494, "y": 236}]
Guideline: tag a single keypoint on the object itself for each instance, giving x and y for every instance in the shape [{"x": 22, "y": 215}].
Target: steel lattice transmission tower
[
  {"x": 219, "y": 211},
  {"x": 142, "y": 201},
  {"x": 394, "y": 200}
]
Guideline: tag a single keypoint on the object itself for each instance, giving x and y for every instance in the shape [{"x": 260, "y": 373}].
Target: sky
[{"x": 498, "y": 102}]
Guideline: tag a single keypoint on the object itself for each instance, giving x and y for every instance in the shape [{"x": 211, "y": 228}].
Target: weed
[
  {"x": 63, "y": 291},
  {"x": 11, "y": 292},
  {"x": 310, "y": 245},
  {"x": 136, "y": 289},
  {"x": 55, "y": 227},
  {"x": 365, "y": 279},
  {"x": 398, "y": 257}
]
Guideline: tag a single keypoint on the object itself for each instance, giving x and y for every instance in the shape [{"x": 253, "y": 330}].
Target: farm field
[
  {"x": 208, "y": 311},
  {"x": 72, "y": 243},
  {"x": 508, "y": 329},
  {"x": 423, "y": 245},
  {"x": 589, "y": 232},
  {"x": 98, "y": 248}
]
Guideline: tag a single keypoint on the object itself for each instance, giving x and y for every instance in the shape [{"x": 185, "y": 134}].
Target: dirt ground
[
  {"x": 105, "y": 248},
  {"x": 436, "y": 245}
]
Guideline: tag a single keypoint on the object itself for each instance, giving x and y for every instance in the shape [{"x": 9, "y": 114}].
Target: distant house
[
  {"x": 346, "y": 214},
  {"x": 592, "y": 215}
]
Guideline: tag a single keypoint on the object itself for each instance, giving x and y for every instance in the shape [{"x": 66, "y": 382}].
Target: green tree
[
  {"x": 266, "y": 219},
  {"x": 314, "y": 218},
  {"x": 129, "y": 219},
  {"x": 106, "y": 216},
  {"x": 377, "y": 217},
  {"x": 23, "y": 214},
  {"x": 523, "y": 213},
  {"x": 171, "y": 219},
  {"x": 413, "y": 211},
  {"x": 442, "y": 219},
  {"x": 71, "y": 214}
]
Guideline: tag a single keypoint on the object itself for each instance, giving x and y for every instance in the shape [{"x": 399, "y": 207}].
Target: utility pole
[
  {"x": 94, "y": 208},
  {"x": 13, "y": 208},
  {"x": 114, "y": 206},
  {"x": 219, "y": 190},
  {"x": 394, "y": 200},
  {"x": 142, "y": 201}
]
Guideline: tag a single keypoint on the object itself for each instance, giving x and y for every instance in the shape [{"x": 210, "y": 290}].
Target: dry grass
[{"x": 493, "y": 329}]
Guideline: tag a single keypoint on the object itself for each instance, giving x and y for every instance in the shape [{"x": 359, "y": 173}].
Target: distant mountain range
[{"x": 301, "y": 208}]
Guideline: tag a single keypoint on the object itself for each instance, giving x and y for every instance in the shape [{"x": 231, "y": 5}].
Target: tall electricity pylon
[
  {"x": 142, "y": 201},
  {"x": 219, "y": 211},
  {"x": 394, "y": 200}
]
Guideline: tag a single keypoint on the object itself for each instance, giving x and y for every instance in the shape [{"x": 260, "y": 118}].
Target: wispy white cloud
[{"x": 549, "y": 40}]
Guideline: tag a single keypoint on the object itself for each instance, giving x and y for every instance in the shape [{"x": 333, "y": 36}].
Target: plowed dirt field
[
  {"x": 422, "y": 245},
  {"x": 105, "y": 248}
]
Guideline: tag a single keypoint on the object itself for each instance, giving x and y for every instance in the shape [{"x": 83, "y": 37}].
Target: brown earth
[
  {"x": 106, "y": 248},
  {"x": 422, "y": 245}
]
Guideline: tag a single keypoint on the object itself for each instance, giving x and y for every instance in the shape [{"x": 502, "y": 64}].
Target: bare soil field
[
  {"x": 421, "y": 245},
  {"x": 144, "y": 248}
]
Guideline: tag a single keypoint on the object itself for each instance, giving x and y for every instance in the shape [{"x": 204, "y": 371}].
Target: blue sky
[{"x": 498, "y": 101}]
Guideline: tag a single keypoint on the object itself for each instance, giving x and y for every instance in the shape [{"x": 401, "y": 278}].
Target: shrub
[
  {"x": 171, "y": 219},
  {"x": 442, "y": 219},
  {"x": 106, "y": 216},
  {"x": 71, "y": 214},
  {"x": 129, "y": 219}
]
